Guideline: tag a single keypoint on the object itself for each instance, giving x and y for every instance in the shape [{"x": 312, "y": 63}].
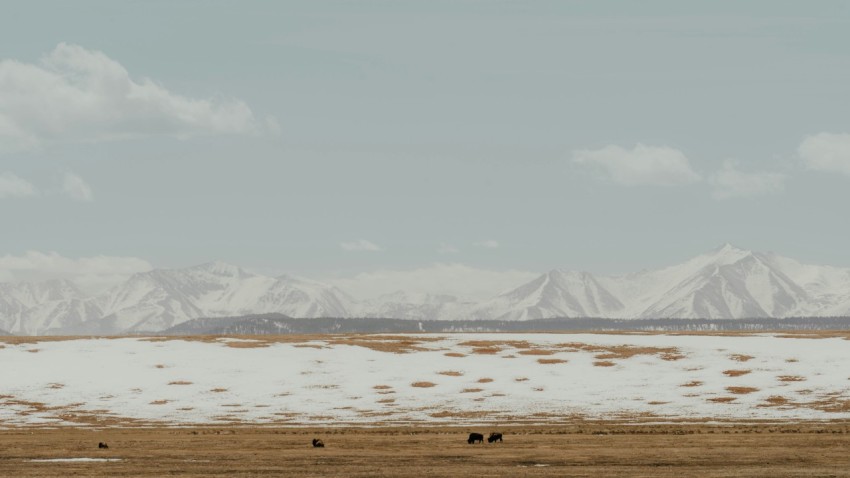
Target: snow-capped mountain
[
  {"x": 26, "y": 307},
  {"x": 161, "y": 298},
  {"x": 725, "y": 283},
  {"x": 554, "y": 294}
]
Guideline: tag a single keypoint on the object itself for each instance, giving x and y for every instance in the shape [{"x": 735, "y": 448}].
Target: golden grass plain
[{"x": 582, "y": 449}]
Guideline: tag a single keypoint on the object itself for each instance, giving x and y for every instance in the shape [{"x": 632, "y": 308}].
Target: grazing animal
[
  {"x": 102, "y": 445},
  {"x": 475, "y": 437},
  {"x": 318, "y": 443},
  {"x": 494, "y": 437}
]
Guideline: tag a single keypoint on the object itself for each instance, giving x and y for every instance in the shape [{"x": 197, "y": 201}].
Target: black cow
[
  {"x": 475, "y": 437},
  {"x": 318, "y": 443},
  {"x": 102, "y": 445},
  {"x": 494, "y": 437}
]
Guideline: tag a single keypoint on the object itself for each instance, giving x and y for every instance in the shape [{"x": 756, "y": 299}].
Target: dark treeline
[{"x": 281, "y": 324}]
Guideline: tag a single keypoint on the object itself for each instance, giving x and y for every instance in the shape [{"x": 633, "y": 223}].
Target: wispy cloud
[
  {"x": 75, "y": 187},
  {"x": 76, "y": 94},
  {"x": 826, "y": 152},
  {"x": 641, "y": 165},
  {"x": 14, "y": 186},
  {"x": 730, "y": 182},
  {"x": 360, "y": 245},
  {"x": 489, "y": 244}
]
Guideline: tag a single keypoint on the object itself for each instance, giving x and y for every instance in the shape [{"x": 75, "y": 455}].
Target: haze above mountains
[{"x": 725, "y": 283}]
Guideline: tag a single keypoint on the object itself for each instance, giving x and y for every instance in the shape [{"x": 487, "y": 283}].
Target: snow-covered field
[{"x": 440, "y": 379}]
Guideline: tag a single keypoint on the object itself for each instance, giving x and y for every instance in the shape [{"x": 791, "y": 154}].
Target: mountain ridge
[{"x": 724, "y": 283}]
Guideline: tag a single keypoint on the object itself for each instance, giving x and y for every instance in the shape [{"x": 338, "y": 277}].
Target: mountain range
[{"x": 725, "y": 283}]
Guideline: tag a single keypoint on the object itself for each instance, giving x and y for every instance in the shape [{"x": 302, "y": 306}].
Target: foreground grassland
[{"x": 610, "y": 450}]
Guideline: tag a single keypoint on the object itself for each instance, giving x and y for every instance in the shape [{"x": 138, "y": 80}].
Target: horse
[{"x": 475, "y": 437}]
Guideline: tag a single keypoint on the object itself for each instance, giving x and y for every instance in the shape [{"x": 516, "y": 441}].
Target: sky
[{"x": 473, "y": 140}]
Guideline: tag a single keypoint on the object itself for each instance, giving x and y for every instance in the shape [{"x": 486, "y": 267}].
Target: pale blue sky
[{"x": 427, "y": 127}]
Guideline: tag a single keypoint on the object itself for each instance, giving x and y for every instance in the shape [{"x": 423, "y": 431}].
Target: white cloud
[
  {"x": 91, "y": 274},
  {"x": 75, "y": 187},
  {"x": 359, "y": 245},
  {"x": 75, "y": 94},
  {"x": 451, "y": 279},
  {"x": 730, "y": 182},
  {"x": 642, "y": 165},
  {"x": 489, "y": 244},
  {"x": 13, "y": 186},
  {"x": 826, "y": 152},
  {"x": 447, "y": 249}
]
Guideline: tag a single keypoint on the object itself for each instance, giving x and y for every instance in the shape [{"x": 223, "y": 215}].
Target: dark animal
[
  {"x": 318, "y": 443},
  {"x": 494, "y": 437},
  {"x": 102, "y": 445},
  {"x": 475, "y": 437}
]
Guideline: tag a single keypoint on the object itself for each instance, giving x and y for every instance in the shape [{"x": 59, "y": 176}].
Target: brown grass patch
[
  {"x": 775, "y": 401},
  {"x": 423, "y": 384},
  {"x": 218, "y": 390},
  {"x": 604, "y": 363},
  {"x": 693, "y": 383},
  {"x": 517, "y": 344},
  {"x": 605, "y": 352},
  {"x": 34, "y": 351},
  {"x": 459, "y": 414},
  {"x": 741, "y": 357},
  {"x": 472, "y": 390},
  {"x": 791, "y": 378},
  {"x": 536, "y": 352},
  {"x": 550, "y": 361},
  {"x": 451, "y": 373},
  {"x": 180, "y": 382},
  {"x": 735, "y": 373},
  {"x": 485, "y": 380},
  {"x": 791, "y": 360},
  {"x": 486, "y": 350},
  {"x": 722, "y": 399},
  {"x": 454, "y": 354},
  {"x": 56, "y": 386},
  {"x": 381, "y": 387},
  {"x": 657, "y": 403},
  {"x": 159, "y": 365},
  {"x": 521, "y": 379},
  {"x": 159, "y": 402},
  {"x": 387, "y": 400},
  {"x": 741, "y": 390},
  {"x": 397, "y": 344}
]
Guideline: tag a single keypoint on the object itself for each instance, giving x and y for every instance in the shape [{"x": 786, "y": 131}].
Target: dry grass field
[{"x": 610, "y": 450}]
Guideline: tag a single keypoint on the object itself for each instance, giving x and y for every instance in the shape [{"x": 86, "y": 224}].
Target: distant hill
[{"x": 267, "y": 324}]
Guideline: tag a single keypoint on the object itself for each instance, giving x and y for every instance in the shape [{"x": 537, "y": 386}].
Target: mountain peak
[
  {"x": 220, "y": 268},
  {"x": 727, "y": 254}
]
